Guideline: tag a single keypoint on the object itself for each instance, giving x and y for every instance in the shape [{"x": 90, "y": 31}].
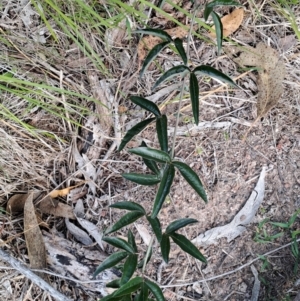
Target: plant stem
[{"x": 183, "y": 83}]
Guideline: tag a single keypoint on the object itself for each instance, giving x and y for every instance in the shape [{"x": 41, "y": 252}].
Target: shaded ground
[{"x": 228, "y": 167}]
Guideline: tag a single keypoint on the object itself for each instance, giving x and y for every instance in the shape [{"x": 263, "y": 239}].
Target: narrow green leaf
[
  {"x": 163, "y": 190},
  {"x": 177, "y": 70},
  {"x": 126, "y": 298},
  {"x": 151, "y": 154},
  {"x": 210, "y": 6},
  {"x": 180, "y": 223},
  {"x": 114, "y": 283},
  {"x": 111, "y": 297},
  {"x": 143, "y": 296},
  {"x": 162, "y": 132},
  {"x": 214, "y": 73},
  {"x": 150, "y": 163},
  {"x": 129, "y": 268},
  {"x": 130, "y": 287},
  {"x": 131, "y": 206},
  {"x": 155, "y": 225},
  {"x": 146, "y": 104},
  {"x": 131, "y": 241},
  {"x": 219, "y": 30},
  {"x": 155, "y": 32},
  {"x": 134, "y": 131},
  {"x": 141, "y": 179},
  {"x": 293, "y": 218},
  {"x": 280, "y": 225},
  {"x": 119, "y": 243},
  {"x": 124, "y": 221},
  {"x": 187, "y": 246},
  {"x": 111, "y": 261},
  {"x": 155, "y": 289},
  {"x": 153, "y": 53},
  {"x": 194, "y": 92},
  {"x": 179, "y": 46},
  {"x": 192, "y": 178},
  {"x": 165, "y": 247}
]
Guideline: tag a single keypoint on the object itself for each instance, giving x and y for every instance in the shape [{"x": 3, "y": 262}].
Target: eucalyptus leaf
[
  {"x": 151, "y": 154},
  {"x": 165, "y": 247},
  {"x": 141, "y": 179},
  {"x": 162, "y": 132},
  {"x": 130, "y": 206},
  {"x": 180, "y": 223},
  {"x": 111, "y": 261},
  {"x": 192, "y": 178},
  {"x": 164, "y": 189},
  {"x": 146, "y": 104},
  {"x": 124, "y": 221},
  {"x": 187, "y": 246},
  {"x": 194, "y": 92},
  {"x": 175, "y": 71},
  {"x": 153, "y": 53},
  {"x": 214, "y": 73},
  {"x": 134, "y": 131}
]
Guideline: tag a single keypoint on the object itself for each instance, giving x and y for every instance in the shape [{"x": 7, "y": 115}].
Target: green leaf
[
  {"x": 131, "y": 241},
  {"x": 177, "y": 70},
  {"x": 134, "y": 131},
  {"x": 214, "y": 73},
  {"x": 187, "y": 246},
  {"x": 163, "y": 190},
  {"x": 155, "y": 225},
  {"x": 219, "y": 30},
  {"x": 131, "y": 206},
  {"x": 192, "y": 178},
  {"x": 150, "y": 163},
  {"x": 165, "y": 247},
  {"x": 155, "y": 32},
  {"x": 194, "y": 92},
  {"x": 155, "y": 289},
  {"x": 114, "y": 283},
  {"x": 124, "y": 221},
  {"x": 129, "y": 268},
  {"x": 126, "y": 298},
  {"x": 293, "y": 218},
  {"x": 130, "y": 287},
  {"x": 180, "y": 223},
  {"x": 141, "y": 179},
  {"x": 146, "y": 104},
  {"x": 162, "y": 132},
  {"x": 210, "y": 6},
  {"x": 179, "y": 46},
  {"x": 143, "y": 296},
  {"x": 151, "y": 154},
  {"x": 111, "y": 297},
  {"x": 111, "y": 261},
  {"x": 281, "y": 225},
  {"x": 153, "y": 53},
  {"x": 119, "y": 243}
]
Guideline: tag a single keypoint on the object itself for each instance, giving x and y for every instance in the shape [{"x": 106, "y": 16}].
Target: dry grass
[{"x": 52, "y": 132}]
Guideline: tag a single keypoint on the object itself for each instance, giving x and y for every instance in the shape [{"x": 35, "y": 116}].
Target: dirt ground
[{"x": 228, "y": 167}]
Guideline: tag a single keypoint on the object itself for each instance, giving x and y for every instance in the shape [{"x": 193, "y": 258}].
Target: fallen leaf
[
  {"x": 144, "y": 233},
  {"x": 33, "y": 236},
  {"x": 79, "y": 234},
  {"x": 54, "y": 207},
  {"x": 231, "y": 23},
  {"x": 16, "y": 203},
  {"x": 271, "y": 72}
]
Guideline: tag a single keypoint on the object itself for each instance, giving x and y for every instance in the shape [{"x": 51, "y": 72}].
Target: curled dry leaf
[
  {"x": 230, "y": 22},
  {"x": 63, "y": 192},
  {"x": 33, "y": 236}
]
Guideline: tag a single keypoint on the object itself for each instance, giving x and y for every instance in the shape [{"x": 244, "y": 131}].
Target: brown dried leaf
[
  {"x": 54, "y": 207},
  {"x": 63, "y": 192},
  {"x": 16, "y": 203},
  {"x": 33, "y": 236},
  {"x": 271, "y": 72},
  {"x": 231, "y": 22}
]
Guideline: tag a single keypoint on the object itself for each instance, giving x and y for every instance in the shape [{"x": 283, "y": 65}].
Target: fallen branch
[{"x": 32, "y": 276}]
